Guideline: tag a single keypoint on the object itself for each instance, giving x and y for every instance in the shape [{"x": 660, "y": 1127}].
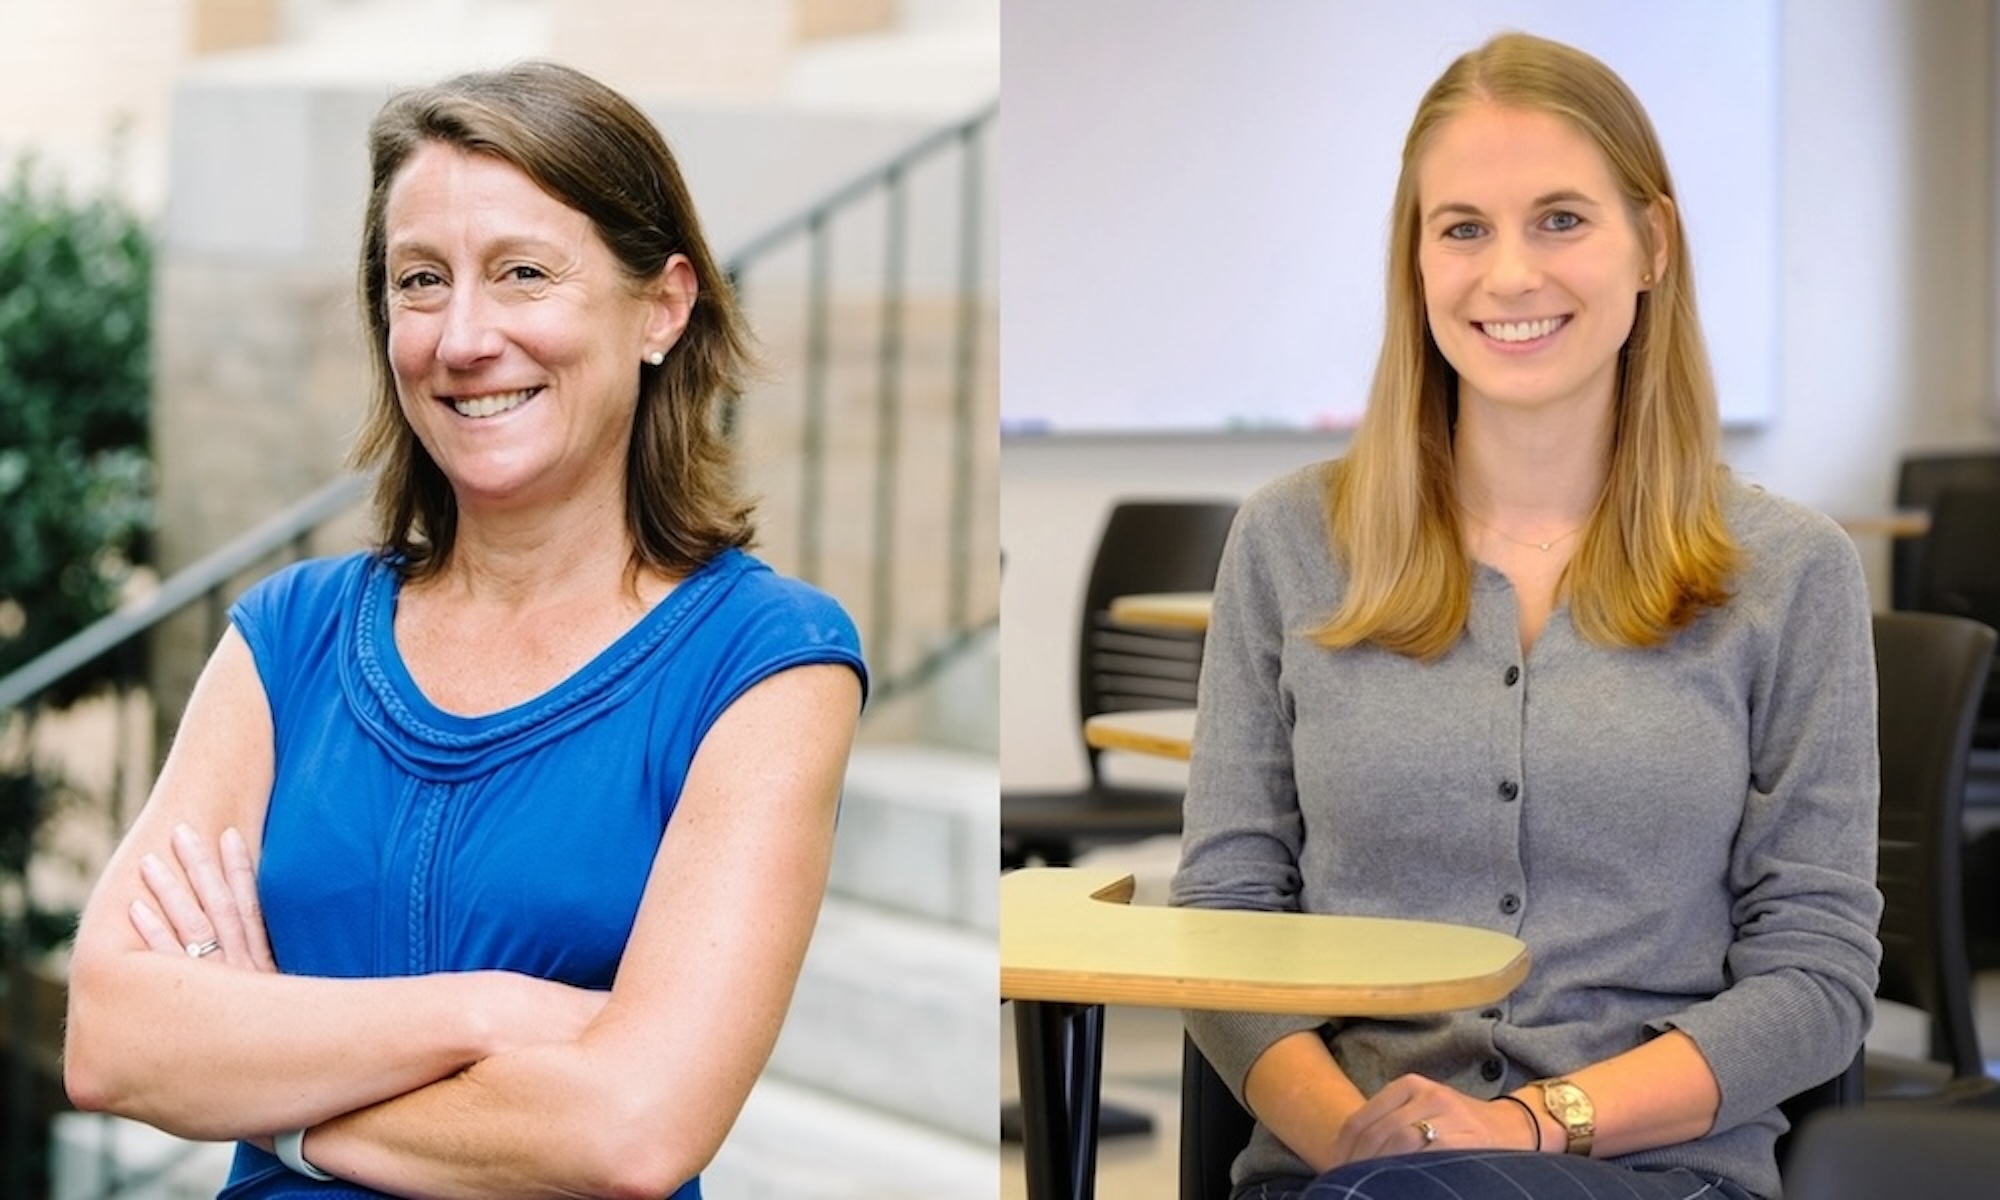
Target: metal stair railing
[
  {"x": 201, "y": 582},
  {"x": 967, "y": 547},
  {"x": 965, "y": 613}
]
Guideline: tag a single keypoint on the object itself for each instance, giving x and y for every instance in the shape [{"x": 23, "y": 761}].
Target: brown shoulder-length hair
[
  {"x": 1656, "y": 550},
  {"x": 590, "y": 148}
]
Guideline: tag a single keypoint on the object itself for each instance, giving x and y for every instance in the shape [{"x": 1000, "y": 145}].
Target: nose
[
  {"x": 1513, "y": 268},
  {"x": 469, "y": 334}
]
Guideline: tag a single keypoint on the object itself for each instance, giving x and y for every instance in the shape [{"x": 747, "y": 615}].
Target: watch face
[
  {"x": 1574, "y": 1104},
  {"x": 1571, "y": 1108}
]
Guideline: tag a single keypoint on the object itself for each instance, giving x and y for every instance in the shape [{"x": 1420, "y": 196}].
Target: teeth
[
  {"x": 1521, "y": 331},
  {"x": 491, "y": 406}
]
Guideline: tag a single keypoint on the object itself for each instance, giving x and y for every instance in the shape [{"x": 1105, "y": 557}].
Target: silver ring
[
  {"x": 1426, "y": 1130},
  {"x": 203, "y": 949}
]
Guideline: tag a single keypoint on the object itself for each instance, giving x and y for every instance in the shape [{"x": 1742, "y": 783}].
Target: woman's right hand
[
  {"x": 210, "y": 902},
  {"x": 1412, "y": 1113}
]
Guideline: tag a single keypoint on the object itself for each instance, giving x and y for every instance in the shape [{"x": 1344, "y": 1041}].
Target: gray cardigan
[{"x": 1683, "y": 836}]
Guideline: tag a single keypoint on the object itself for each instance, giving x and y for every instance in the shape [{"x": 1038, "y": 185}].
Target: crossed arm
[{"x": 475, "y": 1083}]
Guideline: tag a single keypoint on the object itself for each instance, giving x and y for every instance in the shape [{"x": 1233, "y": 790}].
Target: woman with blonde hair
[{"x": 1529, "y": 658}]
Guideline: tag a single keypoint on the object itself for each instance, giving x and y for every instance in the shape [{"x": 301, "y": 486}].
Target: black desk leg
[{"x": 1061, "y": 1051}]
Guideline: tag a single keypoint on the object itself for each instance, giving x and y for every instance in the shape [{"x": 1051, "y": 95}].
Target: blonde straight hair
[{"x": 1656, "y": 551}]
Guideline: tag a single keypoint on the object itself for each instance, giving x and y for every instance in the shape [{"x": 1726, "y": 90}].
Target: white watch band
[{"x": 291, "y": 1148}]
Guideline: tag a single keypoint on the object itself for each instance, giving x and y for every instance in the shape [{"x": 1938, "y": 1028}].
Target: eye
[
  {"x": 1464, "y": 231},
  {"x": 411, "y": 281},
  {"x": 1562, "y": 222},
  {"x": 523, "y": 273}
]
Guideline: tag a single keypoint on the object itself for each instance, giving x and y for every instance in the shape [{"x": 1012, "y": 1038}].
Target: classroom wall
[
  {"x": 1885, "y": 340},
  {"x": 1140, "y": 237}
]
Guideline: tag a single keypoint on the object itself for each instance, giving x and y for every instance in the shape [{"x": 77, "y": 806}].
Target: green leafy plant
[
  {"x": 75, "y": 371},
  {"x": 75, "y": 471},
  {"x": 75, "y": 514}
]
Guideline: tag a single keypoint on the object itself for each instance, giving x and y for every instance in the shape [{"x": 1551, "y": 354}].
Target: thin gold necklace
[{"x": 1544, "y": 547}]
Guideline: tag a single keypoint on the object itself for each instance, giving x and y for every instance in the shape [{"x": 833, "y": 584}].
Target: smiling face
[
  {"x": 1531, "y": 262},
  {"x": 514, "y": 337}
]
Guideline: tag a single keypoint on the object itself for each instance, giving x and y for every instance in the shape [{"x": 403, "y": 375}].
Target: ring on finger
[
  {"x": 1425, "y": 1130},
  {"x": 203, "y": 949}
]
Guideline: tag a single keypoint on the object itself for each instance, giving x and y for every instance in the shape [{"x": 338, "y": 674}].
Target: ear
[
  {"x": 1659, "y": 219},
  {"x": 669, "y": 301}
]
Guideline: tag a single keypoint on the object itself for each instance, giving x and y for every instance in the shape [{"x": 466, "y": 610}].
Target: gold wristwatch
[{"x": 1572, "y": 1110}]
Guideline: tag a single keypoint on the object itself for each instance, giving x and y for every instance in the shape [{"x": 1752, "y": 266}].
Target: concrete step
[
  {"x": 96, "y": 1156},
  {"x": 793, "y": 1143},
  {"x": 963, "y": 707},
  {"x": 919, "y": 833},
  {"x": 899, "y": 1014}
]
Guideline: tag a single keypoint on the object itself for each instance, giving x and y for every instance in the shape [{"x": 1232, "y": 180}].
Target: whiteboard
[{"x": 1195, "y": 195}]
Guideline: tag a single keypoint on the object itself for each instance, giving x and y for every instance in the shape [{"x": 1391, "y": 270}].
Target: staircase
[{"x": 884, "y": 1080}]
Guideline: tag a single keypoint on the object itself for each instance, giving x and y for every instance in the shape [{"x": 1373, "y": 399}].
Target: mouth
[
  {"x": 1516, "y": 333},
  {"x": 491, "y": 404}
]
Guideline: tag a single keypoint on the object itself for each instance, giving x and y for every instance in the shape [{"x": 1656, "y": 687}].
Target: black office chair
[
  {"x": 1146, "y": 546},
  {"x": 1871, "y": 1152},
  {"x": 1215, "y": 1128},
  {"x": 1955, "y": 568},
  {"x": 1932, "y": 672},
  {"x": 1958, "y": 572},
  {"x": 1920, "y": 479}
]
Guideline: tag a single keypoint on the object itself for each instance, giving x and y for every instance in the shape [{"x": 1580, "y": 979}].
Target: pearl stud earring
[{"x": 657, "y": 357}]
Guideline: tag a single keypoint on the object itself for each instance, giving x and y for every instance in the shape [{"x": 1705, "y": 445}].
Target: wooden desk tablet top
[
  {"x": 1069, "y": 934},
  {"x": 1904, "y": 523},
  {"x": 1165, "y": 610},
  {"x": 1160, "y": 732}
]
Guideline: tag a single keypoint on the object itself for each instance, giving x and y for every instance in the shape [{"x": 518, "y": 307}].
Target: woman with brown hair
[
  {"x": 484, "y": 862},
  {"x": 1528, "y": 658}
]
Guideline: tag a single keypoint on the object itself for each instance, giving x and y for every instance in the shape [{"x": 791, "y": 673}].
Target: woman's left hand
[
  {"x": 1396, "y": 1120},
  {"x": 210, "y": 904}
]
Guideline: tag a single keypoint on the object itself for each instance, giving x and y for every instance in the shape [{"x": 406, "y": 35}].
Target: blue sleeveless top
[{"x": 404, "y": 840}]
